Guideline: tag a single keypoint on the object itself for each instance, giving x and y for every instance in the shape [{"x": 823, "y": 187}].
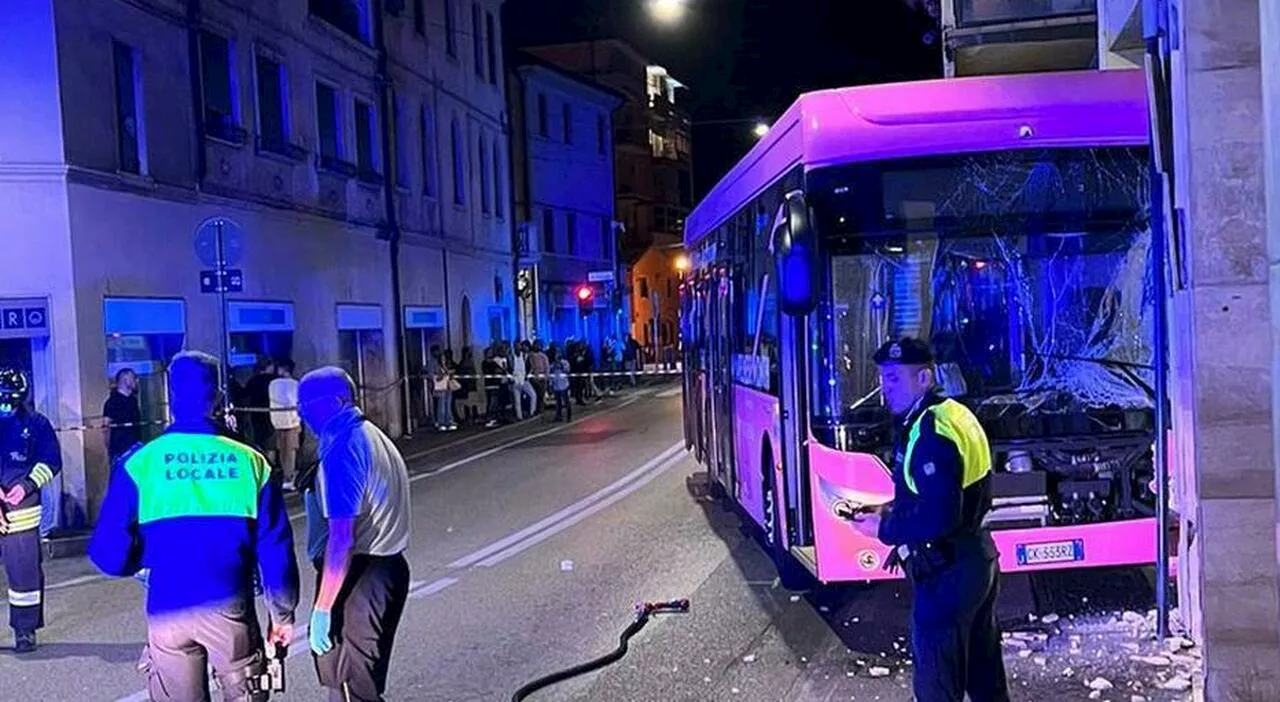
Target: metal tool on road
[{"x": 644, "y": 611}]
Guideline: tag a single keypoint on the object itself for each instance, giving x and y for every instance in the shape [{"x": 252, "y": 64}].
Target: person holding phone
[{"x": 942, "y": 492}]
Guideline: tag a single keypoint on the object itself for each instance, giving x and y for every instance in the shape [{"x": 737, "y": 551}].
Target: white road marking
[
  {"x": 301, "y": 514},
  {"x": 673, "y": 392},
  {"x": 565, "y": 524},
  {"x": 480, "y": 554},
  {"x": 515, "y": 543},
  {"x": 515, "y": 442},
  {"x": 432, "y": 588},
  {"x": 75, "y": 581}
]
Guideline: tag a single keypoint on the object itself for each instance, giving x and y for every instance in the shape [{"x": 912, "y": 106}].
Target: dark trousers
[
  {"x": 494, "y": 403},
  {"x": 22, "y": 567},
  {"x": 563, "y": 405},
  {"x": 181, "y": 647},
  {"x": 365, "y": 617},
  {"x": 955, "y": 638}
]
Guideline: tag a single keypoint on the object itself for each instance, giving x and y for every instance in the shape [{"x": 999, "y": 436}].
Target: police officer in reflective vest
[
  {"x": 198, "y": 509},
  {"x": 29, "y": 458},
  {"x": 941, "y": 478}
]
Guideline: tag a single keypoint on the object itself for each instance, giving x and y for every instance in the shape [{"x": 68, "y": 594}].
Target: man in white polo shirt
[
  {"x": 283, "y": 392},
  {"x": 363, "y": 497}
]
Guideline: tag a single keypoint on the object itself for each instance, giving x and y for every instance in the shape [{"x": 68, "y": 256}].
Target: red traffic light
[{"x": 584, "y": 293}]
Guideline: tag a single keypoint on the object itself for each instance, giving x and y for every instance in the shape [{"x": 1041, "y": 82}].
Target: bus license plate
[{"x": 1053, "y": 552}]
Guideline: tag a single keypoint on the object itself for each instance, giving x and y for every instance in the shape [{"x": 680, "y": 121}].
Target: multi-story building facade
[
  {"x": 653, "y": 166},
  {"x": 562, "y": 147},
  {"x": 362, "y": 153}
]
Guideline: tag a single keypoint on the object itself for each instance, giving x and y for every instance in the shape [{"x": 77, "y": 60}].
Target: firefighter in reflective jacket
[
  {"x": 198, "y": 509},
  {"x": 29, "y": 459},
  {"x": 941, "y": 477}
]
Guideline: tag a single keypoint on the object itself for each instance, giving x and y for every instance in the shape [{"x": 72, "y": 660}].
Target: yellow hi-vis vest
[{"x": 956, "y": 423}]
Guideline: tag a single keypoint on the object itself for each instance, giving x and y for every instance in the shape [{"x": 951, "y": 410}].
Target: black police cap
[{"x": 907, "y": 351}]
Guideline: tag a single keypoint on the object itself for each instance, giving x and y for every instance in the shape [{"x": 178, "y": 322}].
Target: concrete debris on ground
[{"x": 1108, "y": 652}]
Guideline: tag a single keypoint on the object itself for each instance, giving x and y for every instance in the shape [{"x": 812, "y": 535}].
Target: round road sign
[{"x": 207, "y": 242}]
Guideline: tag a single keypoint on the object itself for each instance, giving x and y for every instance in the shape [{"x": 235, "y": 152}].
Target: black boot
[{"x": 24, "y": 641}]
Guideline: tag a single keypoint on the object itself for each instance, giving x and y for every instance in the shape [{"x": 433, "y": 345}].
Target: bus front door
[{"x": 720, "y": 390}]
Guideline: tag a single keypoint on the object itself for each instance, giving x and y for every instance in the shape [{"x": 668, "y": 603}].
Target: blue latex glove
[{"x": 319, "y": 632}]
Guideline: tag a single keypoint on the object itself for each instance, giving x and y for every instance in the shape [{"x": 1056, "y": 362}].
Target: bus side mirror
[{"x": 795, "y": 253}]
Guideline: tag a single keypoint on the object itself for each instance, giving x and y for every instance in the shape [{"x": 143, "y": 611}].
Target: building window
[
  {"x": 498, "y": 208},
  {"x": 548, "y": 231},
  {"x": 450, "y": 28},
  {"x": 477, "y": 34},
  {"x": 491, "y": 42},
  {"x": 419, "y": 17},
  {"x": 329, "y": 126},
  {"x": 542, "y": 116},
  {"x": 482, "y": 156},
  {"x": 459, "y": 163},
  {"x": 350, "y": 16},
  {"x": 571, "y": 233},
  {"x": 273, "y": 125},
  {"x": 567, "y": 114},
  {"x": 427, "y": 130},
  {"x": 130, "y": 144},
  {"x": 644, "y": 287},
  {"x": 218, "y": 83},
  {"x": 366, "y": 137},
  {"x": 402, "y": 143}
]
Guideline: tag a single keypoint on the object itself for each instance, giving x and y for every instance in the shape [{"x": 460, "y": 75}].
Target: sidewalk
[{"x": 423, "y": 443}]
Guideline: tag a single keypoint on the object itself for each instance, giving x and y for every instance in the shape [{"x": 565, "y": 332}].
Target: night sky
[{"x": 747, "y": 58}]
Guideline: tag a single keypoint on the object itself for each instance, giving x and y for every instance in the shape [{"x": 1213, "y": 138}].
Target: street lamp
[
  {"x": 760, "y": 130},
  {"x": 682, "y": 263},
  {"x": 667, "y": 11}
]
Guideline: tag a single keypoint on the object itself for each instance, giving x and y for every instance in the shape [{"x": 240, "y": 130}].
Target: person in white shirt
[
  {"x": 358, "y": 530},
  {"x": 283, "y": 392},
  {"x": 522, "y": 388}
]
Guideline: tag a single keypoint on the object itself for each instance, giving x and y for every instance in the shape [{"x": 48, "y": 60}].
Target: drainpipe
[
  {"x": 197, "y": 101},
  {"x": 392, "y": 233},
  {"x": 512, "y": 136}
]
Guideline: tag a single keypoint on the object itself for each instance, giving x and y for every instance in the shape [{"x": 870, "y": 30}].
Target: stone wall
[{"x": 1231, "y": 347}]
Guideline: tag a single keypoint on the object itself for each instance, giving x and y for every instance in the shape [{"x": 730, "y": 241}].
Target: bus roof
[{"x": 925, "y": 118}]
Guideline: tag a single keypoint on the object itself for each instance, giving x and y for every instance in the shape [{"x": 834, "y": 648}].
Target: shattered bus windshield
[{"x": 1028, "y": 271}]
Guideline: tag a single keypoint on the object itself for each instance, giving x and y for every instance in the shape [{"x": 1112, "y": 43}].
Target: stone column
[{"x": 1231, "y": 404}]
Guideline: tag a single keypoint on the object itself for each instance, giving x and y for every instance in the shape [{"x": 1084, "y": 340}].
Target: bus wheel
[{"x": 791, "y": 574}]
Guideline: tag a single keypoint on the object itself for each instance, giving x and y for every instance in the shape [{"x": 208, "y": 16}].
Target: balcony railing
[{"x": 973, "y": 13}]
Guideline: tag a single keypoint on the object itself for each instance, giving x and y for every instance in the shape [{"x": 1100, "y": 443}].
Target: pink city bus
[{"x": 1004, "y": 219}]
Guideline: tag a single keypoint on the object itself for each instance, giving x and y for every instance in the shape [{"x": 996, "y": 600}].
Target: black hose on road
[{"x": 644, "y": 611}]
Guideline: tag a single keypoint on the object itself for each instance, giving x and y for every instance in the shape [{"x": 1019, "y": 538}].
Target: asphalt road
[{"x": 530, "y": 547}]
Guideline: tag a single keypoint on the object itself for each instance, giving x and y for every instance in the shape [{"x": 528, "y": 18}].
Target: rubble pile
[{"x": 1111, "y": 656}]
